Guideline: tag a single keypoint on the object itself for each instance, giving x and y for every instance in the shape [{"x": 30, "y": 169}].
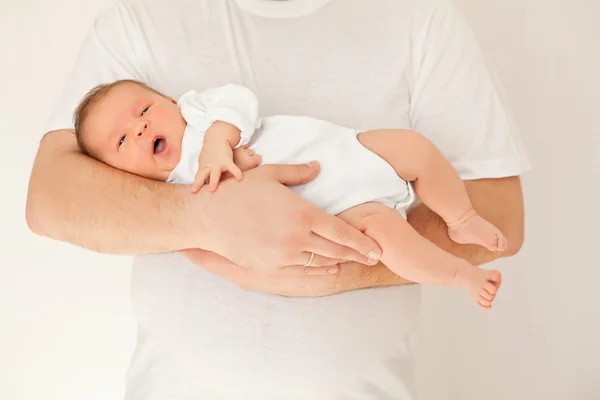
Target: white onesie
[{"x": 350, "y": 173}]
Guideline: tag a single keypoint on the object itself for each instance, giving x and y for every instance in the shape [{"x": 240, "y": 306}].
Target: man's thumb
[{"x": 297, "y": 174}]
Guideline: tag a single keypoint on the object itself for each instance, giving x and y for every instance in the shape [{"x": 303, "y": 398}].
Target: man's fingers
[
  {"x": 214, "y": 263},
  {"x": 337, "y": 231},
  {"x": 328, "y": 250},
  {"x": 192, "y": 254},
  {"x": 295, "y": 174},
  {"x": 302, "y": 270},
  {"x": 204, "y": 257},
  {"x": 309, "y": 259}
]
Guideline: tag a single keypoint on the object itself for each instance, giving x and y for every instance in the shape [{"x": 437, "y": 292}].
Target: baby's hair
[{"x": 90, "y": 100}]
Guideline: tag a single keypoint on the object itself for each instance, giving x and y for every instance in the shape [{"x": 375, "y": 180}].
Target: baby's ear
[{"x": 172, "y": 100}]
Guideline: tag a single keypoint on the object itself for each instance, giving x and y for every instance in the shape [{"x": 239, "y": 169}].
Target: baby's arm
[
  {"x": 216, "y": 156},
  {"x": 229, "y": 116}
]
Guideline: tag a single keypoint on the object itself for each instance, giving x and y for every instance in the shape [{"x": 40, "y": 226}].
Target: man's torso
[{"x": 201, "y": 336}]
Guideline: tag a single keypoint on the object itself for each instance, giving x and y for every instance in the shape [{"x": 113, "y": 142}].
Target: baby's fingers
[
  {"x": 215, "y": 177},
  {"x": 256, "y": 160},
  {"x": 200, "y": 179},
  {"x": 235, "y": 171}
]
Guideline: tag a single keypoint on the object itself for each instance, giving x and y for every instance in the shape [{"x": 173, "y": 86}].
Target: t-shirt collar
[{"x": 281, "y": 8}]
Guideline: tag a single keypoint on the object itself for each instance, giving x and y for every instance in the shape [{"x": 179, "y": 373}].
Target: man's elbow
[
  {"x": 514, "y": 240},
  {"x": 52, "y": 146},
  {"x": 33, "y": 214},
  {"x": 37, "y": 205}
]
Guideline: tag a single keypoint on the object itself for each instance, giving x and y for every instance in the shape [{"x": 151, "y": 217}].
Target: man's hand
[
  {"x": 257, "y": 222},
  {"x": 296, "y": 281},
  {"x": 260, "y": 224},
  {"x": 499, "y": 200}
]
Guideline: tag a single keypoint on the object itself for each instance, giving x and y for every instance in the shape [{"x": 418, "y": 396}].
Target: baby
[{"x": 366, "y": 177}]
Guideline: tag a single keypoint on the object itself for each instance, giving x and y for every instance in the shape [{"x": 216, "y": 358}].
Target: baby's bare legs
[
  {"x": 415, "y": 258},
  {"x": 417, "y": 160}
]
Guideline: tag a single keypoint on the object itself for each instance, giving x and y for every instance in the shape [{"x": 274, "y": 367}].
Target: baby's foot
[
  {"x": 482, "y": 285},
  {"x": 472, "y": 229}
]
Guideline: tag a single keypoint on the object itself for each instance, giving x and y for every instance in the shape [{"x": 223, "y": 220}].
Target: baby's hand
[
  {"x": 245, "y": 158},
  {"x": 214, "y": 160}
]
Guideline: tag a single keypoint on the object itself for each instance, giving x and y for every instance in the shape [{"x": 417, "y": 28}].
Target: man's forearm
[
  {"x": 76, "y": 199},
  {"x": 499, "y": 201}
]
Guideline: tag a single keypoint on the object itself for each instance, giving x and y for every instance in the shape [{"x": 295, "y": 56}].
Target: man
[{"x": 392, "y": 63}]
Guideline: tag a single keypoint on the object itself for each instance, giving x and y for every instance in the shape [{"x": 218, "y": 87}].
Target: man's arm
[
  {"x": 500, "y": 201},
  {"x": 75, "y": 199}
]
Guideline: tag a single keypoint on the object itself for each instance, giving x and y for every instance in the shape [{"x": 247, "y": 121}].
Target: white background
[{"x": 66, "y": 325}]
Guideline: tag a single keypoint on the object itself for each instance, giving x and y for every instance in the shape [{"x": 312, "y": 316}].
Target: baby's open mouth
[{"x": 159, "y": 145}]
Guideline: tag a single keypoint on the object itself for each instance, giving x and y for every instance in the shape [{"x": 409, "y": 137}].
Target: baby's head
[{"x": 131, "y": 127}]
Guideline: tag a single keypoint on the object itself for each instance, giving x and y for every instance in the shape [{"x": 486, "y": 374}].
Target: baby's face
[{"x": 136, "y": 130}]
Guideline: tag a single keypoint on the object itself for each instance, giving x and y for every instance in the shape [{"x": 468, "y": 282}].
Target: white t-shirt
[
  {"x": 350, "y": 174},
  {"x": 387, "y": 63}
]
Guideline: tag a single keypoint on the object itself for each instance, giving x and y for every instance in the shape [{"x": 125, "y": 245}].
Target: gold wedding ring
[{"x": 312, "y": 257}]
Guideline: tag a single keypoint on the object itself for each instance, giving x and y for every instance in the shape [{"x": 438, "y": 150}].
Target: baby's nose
[{"x": 142, "y": 129}]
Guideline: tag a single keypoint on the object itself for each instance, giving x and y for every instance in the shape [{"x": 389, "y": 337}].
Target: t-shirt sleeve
[
  {"x": 231, "y": 103},
  {"x": 457, "y": 100},
  {"x": 111, "y": 50}
]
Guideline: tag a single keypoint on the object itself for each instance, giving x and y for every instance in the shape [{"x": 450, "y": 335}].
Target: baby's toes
[
  {"x": 488, "y": 292},
  {"x": 484, "y": 306},
  {"x": 501, "y": 244},
  {"x": 494, "y": 277},
  {"x": 487, "y": 295},
  {"x": 484, "y": 302}
]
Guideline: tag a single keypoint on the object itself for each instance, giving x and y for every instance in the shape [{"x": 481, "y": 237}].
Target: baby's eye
[
  {"x": 145, "y": 110},
  {"x": 121, "y": 140}
]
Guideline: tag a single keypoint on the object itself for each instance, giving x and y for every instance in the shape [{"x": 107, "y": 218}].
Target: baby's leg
[
  {"x": 417, "y": 160},
  {"x": 415, "y": 258}
]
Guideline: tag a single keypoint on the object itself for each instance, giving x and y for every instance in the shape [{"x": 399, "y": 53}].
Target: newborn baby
[{"x": 368, "y": 177}]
